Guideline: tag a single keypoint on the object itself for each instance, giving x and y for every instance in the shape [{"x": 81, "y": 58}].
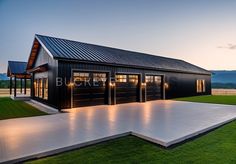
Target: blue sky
[{"x": 199, "y": 31}]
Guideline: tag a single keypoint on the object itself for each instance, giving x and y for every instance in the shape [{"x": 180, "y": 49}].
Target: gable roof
[
  {"x": 16, "y": 68},
  {"x": 64, "y": 49}
]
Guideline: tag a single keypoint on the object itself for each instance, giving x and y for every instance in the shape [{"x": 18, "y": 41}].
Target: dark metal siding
[
  {"x": 183, "y": 85},
  {"x": 180, "y": 84}
]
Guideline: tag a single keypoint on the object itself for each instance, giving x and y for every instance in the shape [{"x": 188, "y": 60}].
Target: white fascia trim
[{"x": 45, "y": 48}]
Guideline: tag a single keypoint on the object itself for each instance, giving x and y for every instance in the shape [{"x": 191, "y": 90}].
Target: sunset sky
[{"x": 202, "y": 32}]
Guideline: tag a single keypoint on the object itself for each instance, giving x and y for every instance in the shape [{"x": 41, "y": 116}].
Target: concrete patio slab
[{"x": 163, "y": 122}]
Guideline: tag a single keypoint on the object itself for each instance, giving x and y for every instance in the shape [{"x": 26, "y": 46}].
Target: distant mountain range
[
  {"x": 223, "y": 79},
  {"x": 3, "y": 76},
  {"x": 224, "y": 76},
  {"x": 217, "y": 76}
]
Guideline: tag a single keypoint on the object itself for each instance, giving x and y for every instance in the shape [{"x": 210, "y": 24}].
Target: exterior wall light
[
  {"x": 166, "y": 85},
  {"x": 71, "y": 84},
  {"x": 143, "y": 84},
  {"x": 112, "y": 84}
]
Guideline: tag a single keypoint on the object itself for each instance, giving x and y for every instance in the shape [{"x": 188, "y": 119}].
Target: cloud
[{"x": 229, "y": 46}]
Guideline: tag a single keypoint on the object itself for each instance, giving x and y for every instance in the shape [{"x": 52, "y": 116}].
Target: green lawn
[
  {"x": 218, "y": 146},
  {"x": 230, "y": 100},
  {"x": 15, "y": 109}
]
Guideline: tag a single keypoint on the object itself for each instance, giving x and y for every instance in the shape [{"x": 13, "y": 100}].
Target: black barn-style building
[{"x": 68, "y": 74}]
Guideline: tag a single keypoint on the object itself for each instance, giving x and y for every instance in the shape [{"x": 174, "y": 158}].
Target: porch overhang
[{"x": 40, "y": 68}]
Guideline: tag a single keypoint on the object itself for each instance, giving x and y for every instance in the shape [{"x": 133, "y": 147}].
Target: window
[
  {"x": 99, "y": 77},
  {"x": 36, "y": 88},
  {"x": 40, "y": 88},
  {"x": 133, "y": 78},
  {"x": 157, "y": 80},
  {"x": 201, "y": 86},
  {"x": 81, "y": 78},
  {"x": 121, "y": 78},
  {"x": 149, "y": 79},
  {"x": 45, "y": 90}
]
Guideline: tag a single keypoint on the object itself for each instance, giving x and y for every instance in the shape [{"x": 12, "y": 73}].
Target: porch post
[
  {"x": 32, "y": 91},
  {"x": 25, "y": 85},
  {"x": 10, "y": 85},
  {"x": 15, "y": 86}
]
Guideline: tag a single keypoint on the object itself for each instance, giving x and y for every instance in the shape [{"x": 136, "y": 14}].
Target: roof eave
[
  {"x": 131, "y": 66},
  {"x": 46, "y": 49},
  {"x": 36, "y": 38}
]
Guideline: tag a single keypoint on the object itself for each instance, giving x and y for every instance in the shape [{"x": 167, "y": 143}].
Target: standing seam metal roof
[
  {"x": 68, "y": 49},
  {"x": 17, "y": 67}
]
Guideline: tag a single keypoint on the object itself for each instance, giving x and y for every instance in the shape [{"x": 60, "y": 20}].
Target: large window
[
  {"x": 40, "y": 88},
  {"x": 36, "y": 88},
  {"x": 201, "y": 87},
  {"x": 45, "y": 89},
  {"x": 121, "y": 78}
]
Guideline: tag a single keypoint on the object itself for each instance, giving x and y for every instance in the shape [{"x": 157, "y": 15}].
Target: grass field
[
  {"x": 5, "y": 92},
  {"x": 223, "y": 91},
  {"x": 216, "y": 99},
  {"x": 16, "y": 109},
  {"x": 217, "y": 146}
]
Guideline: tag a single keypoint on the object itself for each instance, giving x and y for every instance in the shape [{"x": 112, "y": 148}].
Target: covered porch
[{"x": 16, "y": 71}]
